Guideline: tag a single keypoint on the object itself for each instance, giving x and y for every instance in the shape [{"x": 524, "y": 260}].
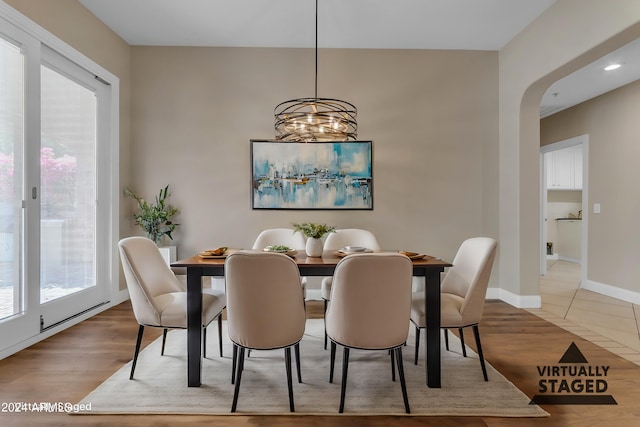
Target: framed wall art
[{"x": 314, "y": 175}]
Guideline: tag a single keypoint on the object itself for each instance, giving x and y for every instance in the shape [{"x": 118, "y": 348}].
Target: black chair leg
[
  {"x": 204, "y": 341},
  {"x": 164, "y": 340},
  {"x": 345, "y": 369},
  {"x": 393, "y": 365},
  {"x": 417, "y": 344},
  {"x": 446, "y": 339},
  {"x": 476, "y": 332},
  {"x": 137, "y": 350},
  {"x": 333, "y": 361},
  {"x": 403, "y": 384},
  {"x": 220, "y": 332},
  {"x": 233, "y": 366},
  {"x": 464, "y": 347},
  {"x": 296, "y": 349},
  {"x": 325, "y": 327},
  {"x": 287, "y": 362},
  {"x": 239, "y": 367}
]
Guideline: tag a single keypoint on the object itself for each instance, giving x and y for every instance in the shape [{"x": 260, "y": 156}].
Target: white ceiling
[
  {"x": 374, "y": 24},
  {"x": 393, "y": 24}
]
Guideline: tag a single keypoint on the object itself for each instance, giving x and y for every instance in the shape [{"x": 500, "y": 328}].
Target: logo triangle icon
[{"x": 573, "y": 355}]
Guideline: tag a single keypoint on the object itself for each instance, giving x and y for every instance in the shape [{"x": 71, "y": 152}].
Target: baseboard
[
  {"x": 518, "y": 301},
  {"x": 569, "y": 259},
  {"x": 314, "y": 295},
  {"x": 612, "y": 291}
]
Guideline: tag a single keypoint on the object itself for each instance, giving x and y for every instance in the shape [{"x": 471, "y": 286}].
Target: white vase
[{"x": 314, "y": 247}]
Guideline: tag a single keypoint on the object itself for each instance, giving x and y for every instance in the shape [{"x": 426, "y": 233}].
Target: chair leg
[
  {"x": 296, "y": 349},
  {"x": 233, "y": 366},
  {"x": 446, "y": 339},
  {"x": 393, "y": 365},
  {"x": 164, "y": 340},
  {"x": 464, "y": 347},
  {"x": 325, "y": 327},
  {"x": 403, "y": 384},
  {"x": 137, "y": 350},
  {"x": 345, "y": 369},
  {"x": 287, "y": 362},
  {"x": 333, "y": 361},
  {"x": 417, "y": 344},
  {"x": 220, "y": 332},
  {"x": 239, "y": 367},
  {"x": 476, "y": 332},
  {"x": 204, "y": 341}
]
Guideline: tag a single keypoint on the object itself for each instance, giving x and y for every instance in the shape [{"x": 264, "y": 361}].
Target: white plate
[{"x": 353, "y": 249}]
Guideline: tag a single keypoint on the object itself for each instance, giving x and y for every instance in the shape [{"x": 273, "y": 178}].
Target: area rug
[{"x": 159, "y": 386}]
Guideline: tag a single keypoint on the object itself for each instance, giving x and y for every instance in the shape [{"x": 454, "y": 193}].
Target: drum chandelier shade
[{"x": 316, "y": 119}]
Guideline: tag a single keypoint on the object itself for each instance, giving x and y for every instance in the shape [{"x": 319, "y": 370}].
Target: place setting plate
[
  {"x": 217, "y": 253},
  {"x": 413, "y": 255},
  {"x": 349, "y": 250},
  {"x": 280, "y": 249}
]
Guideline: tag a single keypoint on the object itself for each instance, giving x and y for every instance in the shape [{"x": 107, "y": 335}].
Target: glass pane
[
  {"x": 67, "y": 187},
  {"x": 11, "y": 137}
]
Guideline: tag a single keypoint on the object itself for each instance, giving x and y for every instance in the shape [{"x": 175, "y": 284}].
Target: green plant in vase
[
  {"x": 155, "y": 218},
  {"x": 314, "y": 233}
]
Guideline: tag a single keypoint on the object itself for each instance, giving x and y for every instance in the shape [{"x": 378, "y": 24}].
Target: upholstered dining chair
[
  {"x": 369, "y": 309},
  {"x": 157, "y": 297},
  {"x": 283, "y": 236},
  {"x": 463, "y": 293},
  {"x": 265, "y": 310},
  {"x": 338, "y": 240}
]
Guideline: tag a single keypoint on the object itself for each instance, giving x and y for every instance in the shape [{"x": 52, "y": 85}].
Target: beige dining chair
[
  {"x": 369, "y": 309},
  {"x": 283, "y": 236},
  {"x": 157, "y": 297},
  {"x": 265, "y": 310},
  {"x": 463, "y": 293},
  {"x": 338, "y": 240}
]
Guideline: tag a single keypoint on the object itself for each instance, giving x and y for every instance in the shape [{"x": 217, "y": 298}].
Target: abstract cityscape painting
[{"x": 313, "y": 175}]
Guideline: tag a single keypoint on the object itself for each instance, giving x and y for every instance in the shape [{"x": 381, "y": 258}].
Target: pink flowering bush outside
[{"x": 58, "y": 175}]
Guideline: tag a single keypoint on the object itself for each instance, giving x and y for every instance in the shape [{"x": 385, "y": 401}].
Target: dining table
[{"x": 198, "y": 266}]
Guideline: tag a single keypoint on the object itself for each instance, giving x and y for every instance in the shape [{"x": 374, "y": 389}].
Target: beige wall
[
  {"x": 611, "y": 121},
  {"x": 432, "y": 116},
  {"x": 570, "y": 34}
]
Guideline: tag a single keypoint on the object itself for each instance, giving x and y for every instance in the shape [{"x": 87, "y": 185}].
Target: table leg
[
  {"x": 432, "y": 308},
  {"x": 194, "y": 326}
]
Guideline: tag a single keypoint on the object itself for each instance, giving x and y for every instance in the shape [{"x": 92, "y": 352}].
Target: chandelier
[{"x": 316, "y": 119}]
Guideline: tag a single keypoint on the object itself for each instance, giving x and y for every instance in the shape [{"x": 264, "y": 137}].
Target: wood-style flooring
[{"x": 67, "y": 366}]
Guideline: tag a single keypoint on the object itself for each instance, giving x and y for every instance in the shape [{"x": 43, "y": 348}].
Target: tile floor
[{"x": 612, "y": 324}]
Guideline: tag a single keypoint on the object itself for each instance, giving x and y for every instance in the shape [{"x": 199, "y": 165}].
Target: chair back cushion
[
  {"x": 280, "y": 236},
  {"x": 148, "y": 276},
  {"x": 264, "y": 300},
  {"x": 469, "y": 276},
  {"x": 351, "y": 237},
  {"x": 370, "y": 301}
]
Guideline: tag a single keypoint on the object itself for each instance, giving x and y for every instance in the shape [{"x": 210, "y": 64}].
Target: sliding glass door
[
  {"x": 11, "y": 182},
  {"x": 70, "y": 99},
  {"x": 55, "y": 259}
]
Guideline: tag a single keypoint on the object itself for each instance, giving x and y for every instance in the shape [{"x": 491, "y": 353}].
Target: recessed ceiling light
[{"x": 612, "y": 67}]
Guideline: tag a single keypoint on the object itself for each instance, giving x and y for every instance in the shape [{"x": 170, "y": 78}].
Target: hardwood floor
[{"x": 67, "y": 366}]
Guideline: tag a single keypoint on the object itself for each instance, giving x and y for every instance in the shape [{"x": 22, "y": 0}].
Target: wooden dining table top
[{"x": 329, "y": 258}]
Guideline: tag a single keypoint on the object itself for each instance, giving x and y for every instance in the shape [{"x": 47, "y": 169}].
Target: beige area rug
[{"x": 160, "y": 387}]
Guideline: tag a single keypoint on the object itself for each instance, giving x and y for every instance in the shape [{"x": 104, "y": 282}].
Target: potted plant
[
  {"x": 314, "y": 233},
  {"x": 155, "y": 218}
]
